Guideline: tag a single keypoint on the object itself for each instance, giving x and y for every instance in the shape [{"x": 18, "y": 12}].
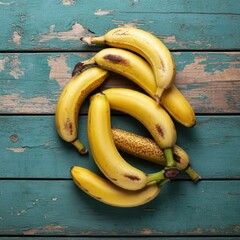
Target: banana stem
[
  {"x": 80, "y": 147},
  {"x": 93, "y": 40},
  {"x": 192, "y": 173},
  {"x": 158, "y": 177},
  {"x": 169, "y": 157}
]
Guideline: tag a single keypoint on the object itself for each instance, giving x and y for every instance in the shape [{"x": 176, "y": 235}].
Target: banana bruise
[
  {"x": 136, "y": 69},
  {"x": 70, "y": 101},
  {"x": 149, "y": 113},
  {"x": 147, "y": 149},
  {"x": 105, "y": 153},
  {"x": 146, "y": 45},
  {"x": 106, "y": 192}
]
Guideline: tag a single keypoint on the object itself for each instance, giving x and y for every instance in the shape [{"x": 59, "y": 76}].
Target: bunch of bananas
[{"x": 144, "y": 59}]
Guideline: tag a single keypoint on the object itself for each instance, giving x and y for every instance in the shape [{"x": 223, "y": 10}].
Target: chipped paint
[
  {"x": 68, "y": 2},
  {"x": 47, "y": 229},
  {"x": 17, "y": 150},
  {"x": 170, "y": 39},
  {"x": 101, "y": 12},
  {"x": 77, "y": 30},
  {"x": 15, "y": 70},
  {"x": 5, "y": 3},
  {"x": 59, "y": 70},
  {"x": 3, "y": 62},
  {"x": 16, "y": 38},
  {"x": 209, "y": 87},
  {"x": 15, "y": 103}
]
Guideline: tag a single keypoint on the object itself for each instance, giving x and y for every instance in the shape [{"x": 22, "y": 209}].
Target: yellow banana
[
  {"x": 146, "y": 45},
  {"x": 105, "y": 153},
  {"x": 136, "y": 69},
  {"x": 70, "y": 101},
  {"x": 149, "y": 113},
  {"x": 105, "y": 191},
  {"x": 147, "y": 149}
]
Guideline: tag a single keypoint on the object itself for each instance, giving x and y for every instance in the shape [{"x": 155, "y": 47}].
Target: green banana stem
[
  {"x": 158, "y": 177},
  {"x": 169, "y": 157},
  {"x": 192, "y": 173}
]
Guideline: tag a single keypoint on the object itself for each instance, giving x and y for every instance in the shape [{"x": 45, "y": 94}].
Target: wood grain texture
[
  {"x": 31, "y": 148},
  {"x": 32, "y": 83},
  {"x": 181, "y": 24},
  {"x": 60, "y": 208}
]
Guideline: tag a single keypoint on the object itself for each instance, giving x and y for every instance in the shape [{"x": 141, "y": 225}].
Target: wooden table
[{"x": 39, "y": 44}]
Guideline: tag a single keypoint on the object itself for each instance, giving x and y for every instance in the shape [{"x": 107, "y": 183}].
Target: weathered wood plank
[
  {"x": 121, "y": 238},
  {"x": 31, "y": 148},
  {"x": 32, "y": 83},
  {"x": 30, "y": 25},
  {"x": 60, "y": 208}
]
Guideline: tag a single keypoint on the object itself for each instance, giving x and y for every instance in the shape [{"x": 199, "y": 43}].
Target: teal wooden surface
[
  {"x": 180, "y": 24},
  {"x": 39, "y": 46},
  {"x": 59, "y": 208},
  {"x": 32, "y": 82},
  {"x": 31, "y": 148}
]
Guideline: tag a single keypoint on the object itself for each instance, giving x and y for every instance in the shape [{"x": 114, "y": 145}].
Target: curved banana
[
  {"x": 136, "y": 69},
  {"x": 146, "y": 148},
  {"x": 149, "y": 113},
  {"x": 105, "y": 153},
  {"x": 70, "y": 101},
  {"x": 146, "y": 45},
  {"x": 105, "y": 191}
]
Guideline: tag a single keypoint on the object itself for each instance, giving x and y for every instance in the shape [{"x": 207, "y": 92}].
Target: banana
[
  {"x": 105, "y": 191},
  {"x": 146, "y": 45},
  {"x": 149, "y": 113},
  {"x": 147, "y": 149},
  {"x": 105, "y": 153},
  {"x": 70, "y": 101},
  {"x": 136, "y": 69}
]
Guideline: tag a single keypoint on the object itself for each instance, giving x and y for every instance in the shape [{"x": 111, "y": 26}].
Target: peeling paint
[
  {"x": 101, "y": 12},
  {"x": 14, "y": 102},
  {"x": 59, "y": 70},
  {"x": 68, "y": 2},
  {"x": 16, "y": 38},
  {"x": 77, "y": 31},
  {"x": 47, "y": 229},
  {"x": 170, "y": 39},
  {"x": 15, "y": 70},
  {"x": 5, "y": 3},
  {"x": 17, "y": 150},
  {"x": 208, "y": 87},
  {"x": 3, "y": 62}
]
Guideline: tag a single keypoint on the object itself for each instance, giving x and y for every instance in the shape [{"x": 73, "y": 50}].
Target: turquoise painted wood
[
  {"x": 32, "y": 83},
  {"x": 60, "y": 208},
  {"x": 39, "y": 46},
  {"x": 180, "y": 24},
  {"x": 31, "y": 148}
]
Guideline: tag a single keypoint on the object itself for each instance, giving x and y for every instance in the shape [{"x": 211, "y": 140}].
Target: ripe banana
[
  {"x": 146, "y": 45},
  {"x": 149, "y": 113},
  {"x": 136, "y": 69},
  {"x": 105, "y": 153},
  {"x": 147, "y": 149},
  {"x": 70, "y": 101},
  {"x": 105, "y": 191}
]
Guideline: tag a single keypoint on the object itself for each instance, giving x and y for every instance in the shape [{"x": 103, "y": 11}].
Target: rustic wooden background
[{"x": 39, "y": 46}]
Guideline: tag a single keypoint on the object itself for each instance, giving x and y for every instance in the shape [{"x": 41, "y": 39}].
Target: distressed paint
[
  {"x": 31, "y": 145},
  {"x": 210, "y": 81},
  {"x": 84, "y": 216},
  {"x": 194, "y": 24}
]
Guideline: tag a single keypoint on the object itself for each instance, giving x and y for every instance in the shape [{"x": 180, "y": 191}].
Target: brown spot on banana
[
  {"x": 116, "y": 59},
  {"x": 132, "y": 177},
  {"x": 160, "y": 130},
  {"x": 69, "y": 126}
]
